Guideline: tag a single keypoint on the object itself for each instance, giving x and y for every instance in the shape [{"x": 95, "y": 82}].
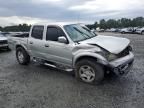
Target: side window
[
  {"x": 37, "y": 32},
  {"x": 53, "y": 33}
]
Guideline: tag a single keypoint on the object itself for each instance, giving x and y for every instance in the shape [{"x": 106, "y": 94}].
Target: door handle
[
  {"x": 46, "y": 45},
  {"x": 31, "y": 42}
]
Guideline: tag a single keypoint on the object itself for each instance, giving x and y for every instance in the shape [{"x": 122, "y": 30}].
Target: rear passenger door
[
  {"x": 56, "y": 51},
  {"x": 36, "y": 42}
]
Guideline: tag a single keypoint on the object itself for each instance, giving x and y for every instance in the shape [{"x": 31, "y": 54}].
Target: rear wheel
[
  {"x": 22, "y": 56},
  {"x": 89, "y": 71},
  {"x": 142, "y": 32}
]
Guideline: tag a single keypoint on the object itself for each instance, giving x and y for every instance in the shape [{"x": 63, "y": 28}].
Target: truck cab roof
[{"x": 57, "y": 23}]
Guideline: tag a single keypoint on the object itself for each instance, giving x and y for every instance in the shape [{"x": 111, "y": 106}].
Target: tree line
[
  {"x": 16, "y": 28},
  {"x": 119, "y": 23},
  {"x": 103, "y": 24}
]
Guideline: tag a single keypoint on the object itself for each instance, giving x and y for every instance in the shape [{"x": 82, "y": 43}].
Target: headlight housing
[{"x": 109, "y": 56}]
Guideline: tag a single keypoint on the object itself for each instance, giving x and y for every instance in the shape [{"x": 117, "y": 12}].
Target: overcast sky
[{"x": 85, "y": 11}]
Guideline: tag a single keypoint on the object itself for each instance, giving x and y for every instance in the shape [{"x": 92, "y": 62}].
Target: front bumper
[{"x": 122, "y": 65}]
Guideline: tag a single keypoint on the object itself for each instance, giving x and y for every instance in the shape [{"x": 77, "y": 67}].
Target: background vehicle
[
  {"x": 113, "y": 30},
  {"x": 74, "y": 47},
  {"x": 140, "y": 31},
  {"x": 99, "y": 29},
  {"x": 127, "y": 30},
  {"x": 3, "y": 42}
]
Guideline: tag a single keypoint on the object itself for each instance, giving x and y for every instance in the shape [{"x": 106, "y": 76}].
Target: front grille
[
  {"x": 125, "y": 52},
  {"x": 3, "y": 42}
]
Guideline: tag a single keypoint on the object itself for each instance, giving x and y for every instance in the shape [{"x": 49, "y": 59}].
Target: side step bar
[
  {"x": 51, "y": 64},
  {"x": 68, "y": 70}
]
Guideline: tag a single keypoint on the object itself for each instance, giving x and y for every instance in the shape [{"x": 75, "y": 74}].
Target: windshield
[{"x": 78, "y": 33}]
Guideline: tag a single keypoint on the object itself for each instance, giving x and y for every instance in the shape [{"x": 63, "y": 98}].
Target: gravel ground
[{"x": 36, "y": 86}]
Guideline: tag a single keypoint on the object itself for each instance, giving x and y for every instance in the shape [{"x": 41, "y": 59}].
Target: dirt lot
[{"x": 36, "y": 86}]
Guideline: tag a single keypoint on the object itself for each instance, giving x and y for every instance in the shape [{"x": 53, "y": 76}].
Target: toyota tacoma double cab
[{"x": 73, "y": 47}]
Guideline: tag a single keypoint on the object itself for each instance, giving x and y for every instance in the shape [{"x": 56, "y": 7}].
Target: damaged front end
[{"x": 122, "y": 65}]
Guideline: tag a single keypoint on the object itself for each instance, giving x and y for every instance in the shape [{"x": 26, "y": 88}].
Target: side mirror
[{"x": 62, "y": 39}]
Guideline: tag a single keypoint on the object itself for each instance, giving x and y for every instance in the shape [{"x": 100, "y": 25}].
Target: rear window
[{"x": 37, "y": 32}]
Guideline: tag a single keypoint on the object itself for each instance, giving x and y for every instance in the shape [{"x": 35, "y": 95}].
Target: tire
[
  {"x": 142, "y": 33},
  {"x": 22, "y": 56},
  {"x": 94, "y": 70}
]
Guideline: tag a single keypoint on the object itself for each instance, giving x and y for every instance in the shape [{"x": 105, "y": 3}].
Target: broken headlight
[{"x": 109, "y": 56}]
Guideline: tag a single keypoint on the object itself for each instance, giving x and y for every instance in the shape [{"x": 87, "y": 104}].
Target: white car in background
[
  {"x": 3, "y": 42},
  {"x": 140, "y": 31},
  {"x": 127, "y": 30},
  {"x": 112, "y": 30}
]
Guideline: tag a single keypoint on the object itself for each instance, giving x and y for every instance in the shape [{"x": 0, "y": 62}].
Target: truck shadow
[{"x": 109, "y": 78}]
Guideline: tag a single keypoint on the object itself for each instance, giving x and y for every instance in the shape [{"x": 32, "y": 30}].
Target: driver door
[{"x": 54, "y": 50}]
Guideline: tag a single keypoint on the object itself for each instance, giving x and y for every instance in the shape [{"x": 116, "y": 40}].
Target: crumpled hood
[
  {"x": 112, "y": 44},
  {"x": 3, "y": 38}
]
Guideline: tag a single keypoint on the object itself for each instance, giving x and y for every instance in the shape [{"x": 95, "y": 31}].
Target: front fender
[
  {"x": 100, "y": 59},
  {"x": 21, "y": 45}
]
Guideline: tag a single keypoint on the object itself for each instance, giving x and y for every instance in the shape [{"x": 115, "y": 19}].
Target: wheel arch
[
  {"x": 100, "y": 59},
  {"x": 85, "y": 57},
  {"x": 19, "y": 45}
]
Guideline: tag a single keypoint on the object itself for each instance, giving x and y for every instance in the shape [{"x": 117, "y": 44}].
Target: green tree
[
  {"x": 102, "y": 24},
  {"x": 139, "y": 21},
  {"x": 111, "y": 23},
  {"x": 95, "y": 24},
  {"x": 17, "y": 28},
  {"x": 1, "y": 28}
]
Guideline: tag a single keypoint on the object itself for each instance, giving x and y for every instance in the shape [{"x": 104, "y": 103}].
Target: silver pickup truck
[{"x": 73, "y": 47}]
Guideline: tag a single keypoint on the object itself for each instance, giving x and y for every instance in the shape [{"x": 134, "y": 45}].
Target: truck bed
[{"x": 17, "y": 40}]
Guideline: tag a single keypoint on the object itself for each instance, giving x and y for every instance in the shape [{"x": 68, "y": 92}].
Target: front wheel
[
  {"x": 22, "y": 56},
  {"x": 89, "y": 71},
  {"x": 142, "y": 32}
]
